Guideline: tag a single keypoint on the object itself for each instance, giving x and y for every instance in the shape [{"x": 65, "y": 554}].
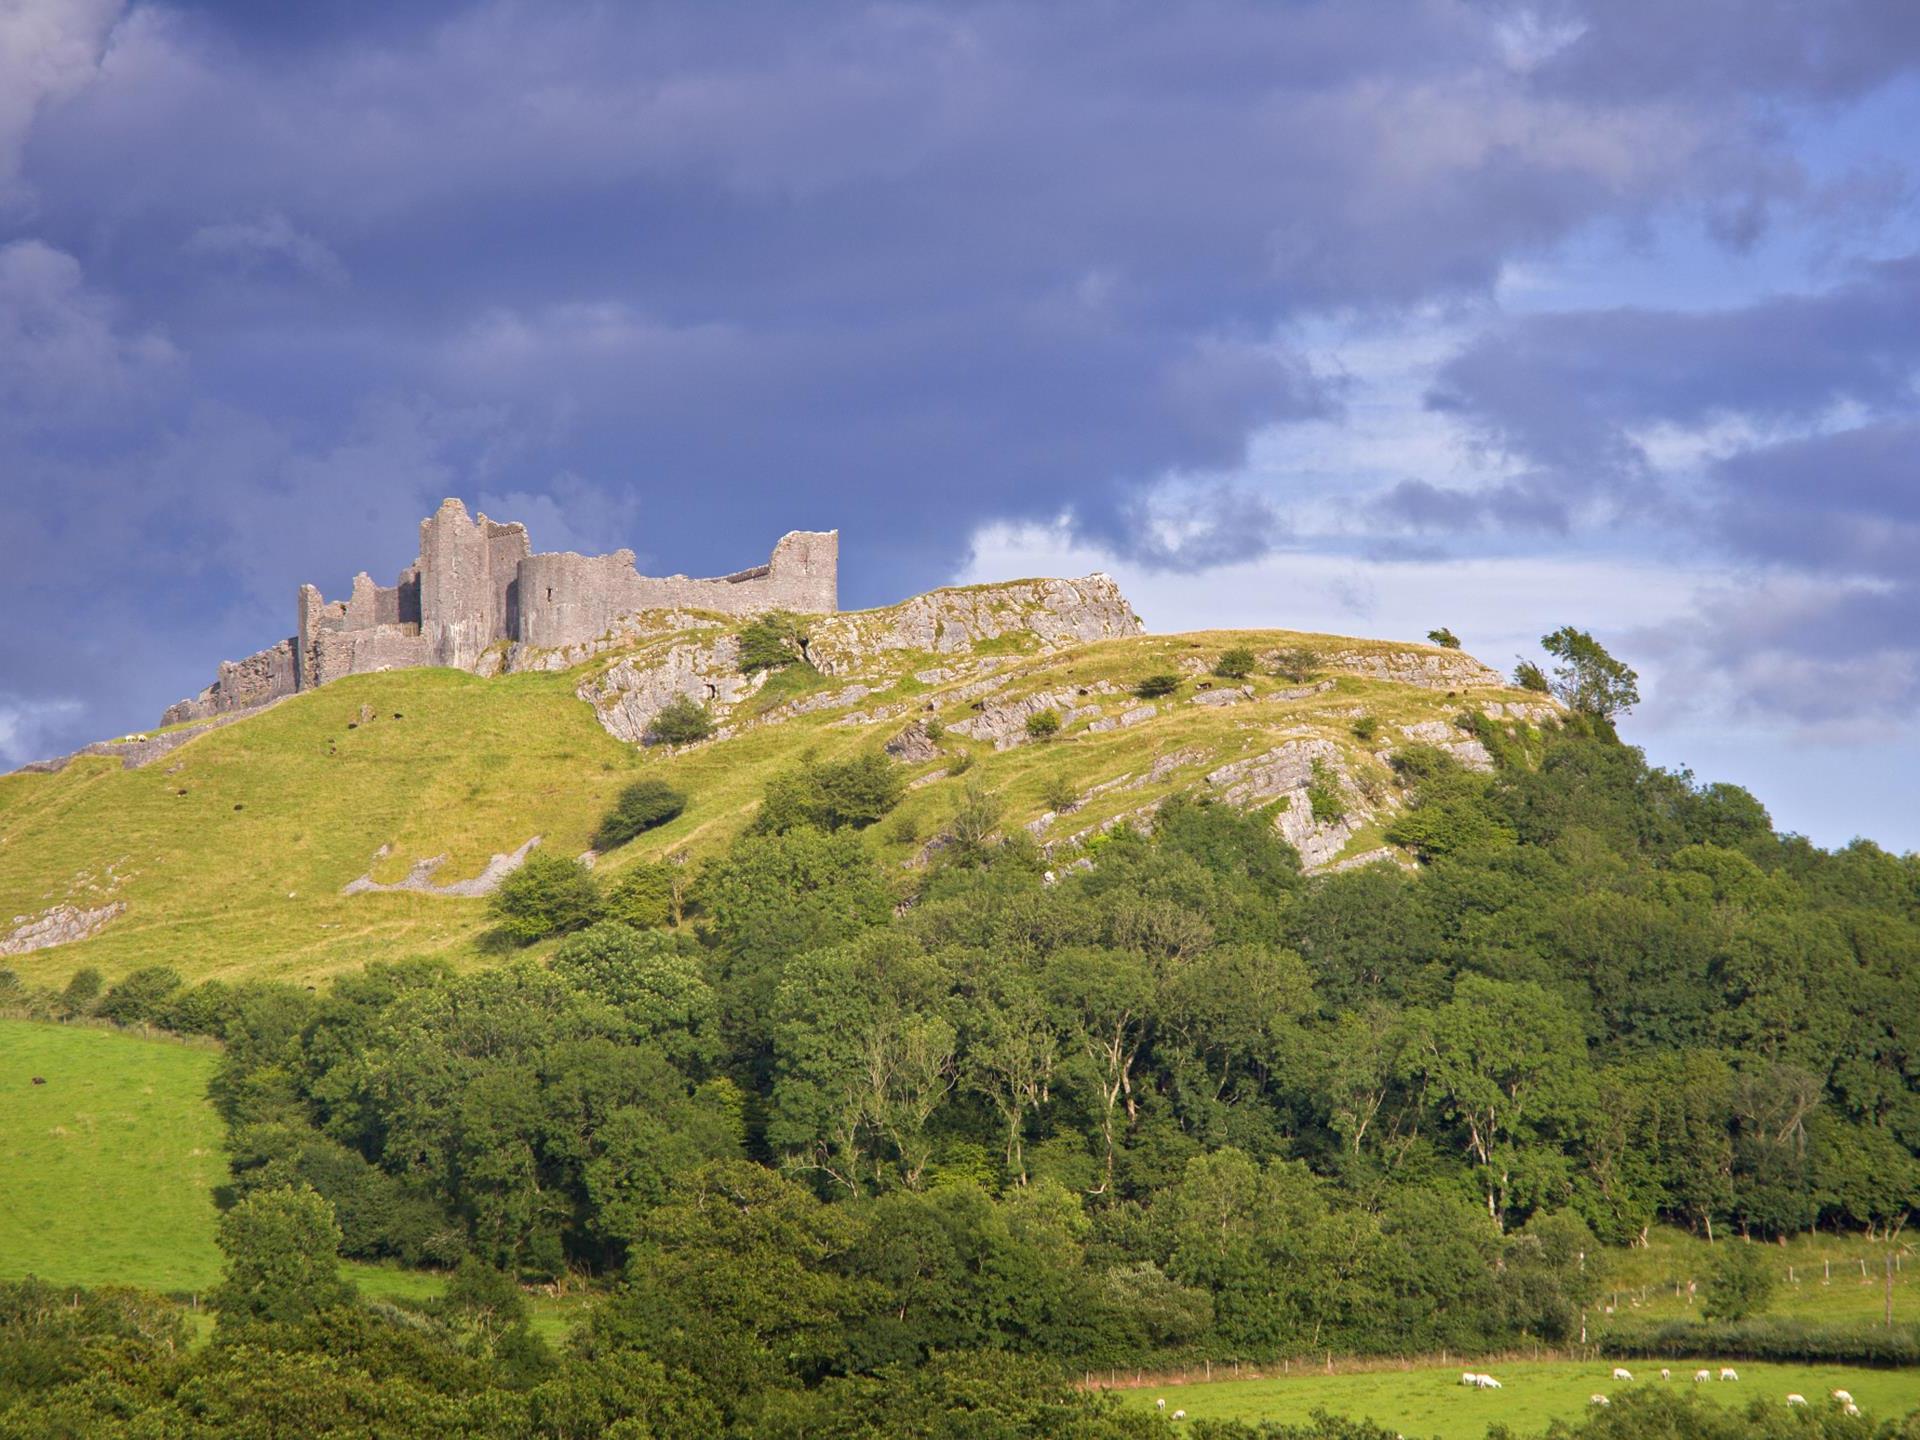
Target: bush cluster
[{"x": 639, "y": 808}]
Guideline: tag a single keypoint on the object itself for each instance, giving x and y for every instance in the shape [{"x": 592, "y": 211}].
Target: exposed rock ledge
[
  {"x": 1058, "y": 612},
  {"x": 62, "y": 925},
  {"x": 419, "y": 879}
]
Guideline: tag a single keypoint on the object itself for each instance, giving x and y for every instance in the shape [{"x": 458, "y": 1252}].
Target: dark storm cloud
[{"x": 717, "y": 271}]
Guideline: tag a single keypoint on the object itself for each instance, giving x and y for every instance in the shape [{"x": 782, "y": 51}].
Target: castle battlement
[{"x": 478, "y": 583}]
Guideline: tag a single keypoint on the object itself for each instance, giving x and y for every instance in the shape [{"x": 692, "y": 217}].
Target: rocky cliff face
[
  {"x": 1054, "y": 613},
  {"x": 1042, "y": 615}
]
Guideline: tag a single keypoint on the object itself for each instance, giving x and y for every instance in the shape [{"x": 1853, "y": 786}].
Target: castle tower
[{"x": 468, "y": 570}]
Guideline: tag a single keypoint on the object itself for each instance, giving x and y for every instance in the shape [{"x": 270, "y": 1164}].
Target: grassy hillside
[
  {"x": 229, "y": 854},
  {"x": 107, "y": 1170}
]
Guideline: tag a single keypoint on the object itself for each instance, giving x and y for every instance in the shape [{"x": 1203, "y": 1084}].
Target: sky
[{"x": 1357, "y": 318}]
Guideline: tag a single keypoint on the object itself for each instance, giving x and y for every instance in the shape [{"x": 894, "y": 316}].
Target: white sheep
[
  {"x": 1850, "y": 1409},
  {"x": 1843, "y": 1397},
  {"x": 1467, "y": 1377},
  {"x": 1487, "y": 1382},
  {"x": 1179, "y": 1414},
  {"x": 1598, "y": 1400},
  {"x": 1700, "y": 1375},
  {"x": 1796, "y": 1399},
  {"x": 1160, "y": 1404},
  {"x": 1620, "y": 1374},
  {"x": 1727, "y": 1372},
  {"x": 1665, "y": 1373}
]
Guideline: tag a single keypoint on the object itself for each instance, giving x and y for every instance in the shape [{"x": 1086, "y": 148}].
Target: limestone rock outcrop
[
  {"x": 1288, "y": 772},
  {"x": 60, "y": 925},
  {"x": 631, "y": 691},
  {"x": 1057, "y": 613},
  {"x": 1429, "y": 669},
  {"x": 419, "y": 879}
]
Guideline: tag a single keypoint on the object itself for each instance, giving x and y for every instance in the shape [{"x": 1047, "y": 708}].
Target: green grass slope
[
  {"x": 229, "y": 854},
  {"x": 1430, "y": 1401},
  {"x": 107, "y": 1170}
]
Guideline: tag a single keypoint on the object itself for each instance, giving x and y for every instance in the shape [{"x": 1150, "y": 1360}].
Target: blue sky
[{"x": 1351, "y": 317}]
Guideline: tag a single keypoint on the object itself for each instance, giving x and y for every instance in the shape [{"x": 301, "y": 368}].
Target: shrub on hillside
[
  {"x": 640, "y": 806},
  {"x": 830, "y": 795},
  {"x": 1323, "y": 795},
  {"x": 1296, "y": 663},
  {"x": 82, "y": 992},
  {"x": 140, "y": 996},
  {"x": 548, "y": 895},
  {"x": 1444, "y": 638},
  {"x": 681, "y": 721},
  {"x": 1157, "y": 685},
  {"x": 1529, "y": 676},
  {"x": 645, "y": 896},
  {"x": 772, "y": 642},
  {"x": 1043, "y": 724},
  {"x": 1741, "y": 1284},
  {"x": 1234, "y": 664},
  {"x": 1366, "y": 728},
  {"x": 973, "y": 824}
]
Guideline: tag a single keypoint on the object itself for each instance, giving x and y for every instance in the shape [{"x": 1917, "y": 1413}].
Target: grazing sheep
[
  {"x": 1160, "y": 1404},
  {"x": 1850, "y": 1409},
  {"x": 1620, "y": 1374},
  {"x": 1727, "y": 1372},
  {"x": 1796, "y": 1399},
  {"x": 1598, "y": 1400},
  {"x": 1700, "y": 1375},
  {"x": 1665, "y": 1373},
  {"x": 1179, "y": 1414},
  {"x": 1843, "y": 1397},
  {"x": 1487, "y": 1382}
]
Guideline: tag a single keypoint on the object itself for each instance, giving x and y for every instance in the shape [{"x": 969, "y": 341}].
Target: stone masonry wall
[
  {"x": 242, "y": 684},
  {"x": 568, "y": 599},
  {"x": 478, "y": 584}
]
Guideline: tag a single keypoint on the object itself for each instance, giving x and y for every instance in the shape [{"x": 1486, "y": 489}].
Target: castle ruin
[{"x": 478, "y": 585}]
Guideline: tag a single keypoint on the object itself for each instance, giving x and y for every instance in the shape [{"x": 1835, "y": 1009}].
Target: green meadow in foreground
[
  {"x": 107, "y": 1170},
  {"x": 1431, "y": 1402}
]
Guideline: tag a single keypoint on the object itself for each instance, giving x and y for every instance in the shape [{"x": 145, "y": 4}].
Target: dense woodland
[{"x": 858, "y": 1153}]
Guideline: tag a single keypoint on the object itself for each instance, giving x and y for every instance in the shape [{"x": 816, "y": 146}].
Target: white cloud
[
  {"x": 61, "y": 354},
  {"x": 48, "y": 49},
  {"x": 24, "y": 724},
  {"x": 269, "y": 239}
]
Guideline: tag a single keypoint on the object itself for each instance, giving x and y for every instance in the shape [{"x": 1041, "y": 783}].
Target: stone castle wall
[
  {"x": 242, "y": 684},
  {"x": 478, "y": 584}
]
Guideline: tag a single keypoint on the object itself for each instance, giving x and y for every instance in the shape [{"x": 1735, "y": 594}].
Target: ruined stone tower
[{"x": 477, "y": 584}]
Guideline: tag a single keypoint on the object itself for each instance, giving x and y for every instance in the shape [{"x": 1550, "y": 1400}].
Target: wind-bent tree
[{"x": 1587, "y": 678}]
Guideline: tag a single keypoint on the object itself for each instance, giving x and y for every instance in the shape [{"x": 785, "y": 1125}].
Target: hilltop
[{"x": 224, "y": 846}]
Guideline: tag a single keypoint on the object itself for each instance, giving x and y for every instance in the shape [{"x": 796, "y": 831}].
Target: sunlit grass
[{"x": 1431, "y": 1402}]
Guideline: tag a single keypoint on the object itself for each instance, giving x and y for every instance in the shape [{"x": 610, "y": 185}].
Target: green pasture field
[
  {"x": 107, "y": 1170},
  {"x": 1823, "y": 1278},
  {"x": 1430, "y": 1403}
]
